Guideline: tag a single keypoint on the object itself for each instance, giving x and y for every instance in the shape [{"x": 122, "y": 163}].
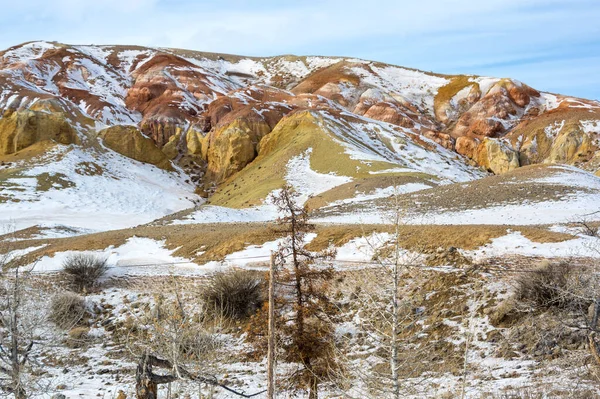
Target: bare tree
[
  {"x": 385, "y": 316},
  {"x": 175, "y": 336},
  {"x": 308, "y": 333},
  {"x": 20, "y": 319}
]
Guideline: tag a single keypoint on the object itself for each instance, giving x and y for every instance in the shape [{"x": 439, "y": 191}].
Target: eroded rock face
[
  {"x": 494, "y": 113},
  {"x": 562, "y": 135},
  {"x": 232, "y": 147},
  {"x": 467, "y": 146},
  {"x": 571, "y": 146},
  {"x": 21, "y": 129},
  {"x": 496, "y": 156},
  {"x": 491, "y": 154},
  {"x": 130, "y": 142},
  {"x": 204, "y": 111},
  {"x": 169, "y": 92}
]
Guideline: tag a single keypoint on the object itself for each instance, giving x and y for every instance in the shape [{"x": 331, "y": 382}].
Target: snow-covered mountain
[{"x": 232, "y": 129}]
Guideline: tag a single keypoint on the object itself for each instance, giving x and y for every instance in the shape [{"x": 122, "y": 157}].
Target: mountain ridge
[{"x": 232, "y": 128}]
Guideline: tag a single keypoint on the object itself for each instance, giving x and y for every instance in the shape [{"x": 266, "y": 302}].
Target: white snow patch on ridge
[
  {"x": 366, "y": 141},
  {"x": 221, "y": 214},
  {"x": 308, "y": 182},
  {"x": 383, "y": 193},
  {"x": 28, "y": 51},
  {"x": 416, "y": 86},
  {"x": 140, "y": 256}
]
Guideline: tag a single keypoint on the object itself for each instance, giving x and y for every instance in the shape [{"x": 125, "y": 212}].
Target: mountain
[
  {"x": 228, "y": 127},
  {"x": 163, "y": 162}
]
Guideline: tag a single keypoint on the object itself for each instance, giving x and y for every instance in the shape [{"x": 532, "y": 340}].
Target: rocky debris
[
  {"x": 443, "y": 139},
  {"x": 450, "y": 256}
]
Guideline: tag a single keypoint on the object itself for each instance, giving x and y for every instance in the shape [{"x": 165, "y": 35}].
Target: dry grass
[
  {"x": 84, "y": 270},
  {"x": 235, "y": 294},
  {"x": 47, "y": 181},
  {"x": 335, "y": 73},
  {"x": 417, "y": 237},
  {"x": 215, "y": 241},
  {"x": 510, "y": 188},
  {"x": 34, "y": 150},
  {"x": 67, "y": 310},
  {"x": 366, "y": 185}
]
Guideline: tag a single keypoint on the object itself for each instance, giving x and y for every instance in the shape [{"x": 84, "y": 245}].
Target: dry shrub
[
  {"x": 554, "y": 285},
  {"x": 236, "y": 294},
  {"x": 78, "y": 337},
  {"x": 198, "y": 344},
  {"x": 67, "y": 310},
  {"x": 84, "y": 270}
]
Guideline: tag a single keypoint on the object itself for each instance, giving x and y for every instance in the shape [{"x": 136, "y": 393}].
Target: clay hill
[{"x": 229, "y": 125}]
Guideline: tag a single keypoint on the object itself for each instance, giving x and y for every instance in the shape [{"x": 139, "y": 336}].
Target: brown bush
[
  {"x": 554, "y": 285},
  {"x": 67, "y": 310},
  {"x": 236, "y": 294},
  {"x": 84, "y": 270},
  {"x": 78, "y": 337}
]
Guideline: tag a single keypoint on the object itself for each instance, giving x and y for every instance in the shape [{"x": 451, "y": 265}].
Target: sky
[{"x": 550, "y": 45}]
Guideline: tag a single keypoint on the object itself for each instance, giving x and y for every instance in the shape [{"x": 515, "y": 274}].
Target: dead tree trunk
[
  {"x": 592, "y": 335},
  {"x": 271, "y": 348},
  {"x": 146, "y": 381}
]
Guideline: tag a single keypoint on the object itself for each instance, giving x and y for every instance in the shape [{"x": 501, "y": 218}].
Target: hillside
[
  {"x": 235, "y": 128},
  {"x": 165, "y": 163}
]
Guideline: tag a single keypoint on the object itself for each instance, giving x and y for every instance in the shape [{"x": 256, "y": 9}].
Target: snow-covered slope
[{"x": 90, "y": 190}]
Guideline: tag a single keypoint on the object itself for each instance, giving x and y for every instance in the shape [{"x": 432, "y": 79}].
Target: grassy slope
[
  {"x": 220, "y": 240},
  {"x": 510, "y": 188},
  {"x": 291, "y": 137},
  {"x": 365, "y": 185}
]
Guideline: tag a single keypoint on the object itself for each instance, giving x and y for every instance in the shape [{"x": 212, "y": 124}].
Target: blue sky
[{"x": 550, "y": 45}]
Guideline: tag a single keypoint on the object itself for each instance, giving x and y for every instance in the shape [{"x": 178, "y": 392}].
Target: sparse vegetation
[
  {"x": 84, "y": 270},
  {"x": 78, "y": 337},
  {"x": 235, "y": 294},
  {"x": 552, "y": 284},
  {"x": 588, "y": 228},
  {"x": 67, "y": 310},
  {"x": 309, "y": 339}
]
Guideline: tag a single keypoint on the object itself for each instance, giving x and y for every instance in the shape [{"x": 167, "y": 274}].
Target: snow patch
[
  {"x": 306, "y": 181},
  {"x": 514, "y": 243}
]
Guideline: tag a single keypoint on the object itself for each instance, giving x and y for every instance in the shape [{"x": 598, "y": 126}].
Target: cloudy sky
[{"x": 551, "y": 45}]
